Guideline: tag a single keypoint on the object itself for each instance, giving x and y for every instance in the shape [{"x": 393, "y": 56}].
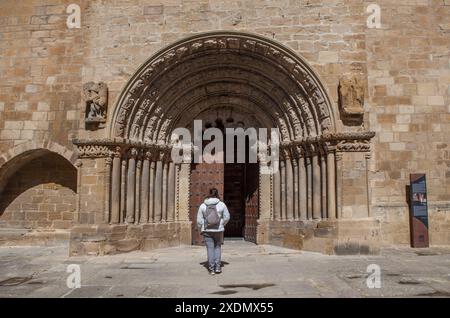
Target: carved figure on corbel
[
  {"x": 351, "y": 99},
  {"x": 96, "y": 98}
]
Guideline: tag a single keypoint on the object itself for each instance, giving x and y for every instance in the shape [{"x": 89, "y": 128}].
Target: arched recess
[
  {"x": 217, "y": 64},
  {"x": 221, "y": 70},
  {"x": 38, "y": 190}
]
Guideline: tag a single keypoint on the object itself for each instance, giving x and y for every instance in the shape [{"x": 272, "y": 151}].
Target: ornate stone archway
[{"x": 240, "y": 71}]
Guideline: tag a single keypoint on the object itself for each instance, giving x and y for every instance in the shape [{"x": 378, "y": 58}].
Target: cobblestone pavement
[{"x": 249, "y": 271}]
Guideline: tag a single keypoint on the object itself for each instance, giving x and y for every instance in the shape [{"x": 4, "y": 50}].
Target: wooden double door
[{"x": 238, "y": 188}]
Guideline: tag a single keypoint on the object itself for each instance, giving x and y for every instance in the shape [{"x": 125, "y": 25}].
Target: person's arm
[
  {"x": 226, "y": 214},
  {"x": 200, "y": 219}
]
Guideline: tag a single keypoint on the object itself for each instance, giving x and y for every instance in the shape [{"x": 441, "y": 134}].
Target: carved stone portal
[
  {"x": 96, "y": 97},
  {"x": 351, "y": 99}
]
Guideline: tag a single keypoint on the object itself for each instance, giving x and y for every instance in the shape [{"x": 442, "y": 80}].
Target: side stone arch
[
  {"x": 38, "y": 187},
  {"x": 12, "y": 160}
]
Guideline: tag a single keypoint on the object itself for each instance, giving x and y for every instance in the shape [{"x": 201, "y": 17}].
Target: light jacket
[{"x": 221, "y": 209}]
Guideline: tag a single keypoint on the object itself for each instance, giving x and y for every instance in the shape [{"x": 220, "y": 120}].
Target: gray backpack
[{"x": 212, "y": 217}]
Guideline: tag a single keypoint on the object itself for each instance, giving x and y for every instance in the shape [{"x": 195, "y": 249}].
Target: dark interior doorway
[{"x": 238, "y": 185}]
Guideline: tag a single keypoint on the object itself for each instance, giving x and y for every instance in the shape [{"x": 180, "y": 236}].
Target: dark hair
[{"x": 213, "y": 193}]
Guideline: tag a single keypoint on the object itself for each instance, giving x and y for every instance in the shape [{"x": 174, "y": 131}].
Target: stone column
[
  {"x": 171, "y": 193},
  {"x": 339, "y": 184},
  {"x": 277, "y": 195},
  {"x": 309, "y": 177},
  {"x": 131, "y": 185},
  {"x": 145, "y": 176},
  {"x": 331, "y": 191},
  {"x": 303, "y": 189},
  {"x": 151, "y": 190},
  {"x": 183, "y": 192},
  {"x": 79, "y": 165},
  {"x": 316, "y": 187},
  {"x": 296, "y": 192},
  {"x": 107, "y": 188},
  {"x": 265, "y": 191},
  {"x": 158, "y": 191},
  {"x": 115, "y": 187},
  {"x": 369, "y": 193},
  {"x": 323, "y": 178},
  {"x": 164, "y": 191},
  {"x": 123, "y": 190},
  {"x": 289, "y": 190},
  {"x": 137, "y": 202},
  {"x": 283, "y": 214}
]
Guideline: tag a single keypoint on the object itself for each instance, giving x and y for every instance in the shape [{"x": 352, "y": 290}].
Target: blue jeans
[{"x": 213, "y": 242}]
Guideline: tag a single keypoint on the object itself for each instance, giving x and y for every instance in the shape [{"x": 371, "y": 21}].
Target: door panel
[
  {"x": 203, "y": 177},
  {"x": 238, "y": 188},
  {"x": 251, "y": 202},
  {"x": 234, "y": 189}
]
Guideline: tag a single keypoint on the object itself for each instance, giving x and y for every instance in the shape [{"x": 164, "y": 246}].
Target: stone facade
[{"x": 403, "y": 69}]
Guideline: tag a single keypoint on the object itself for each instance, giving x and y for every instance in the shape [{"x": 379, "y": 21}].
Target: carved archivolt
[{"x": 282, "y": 87}]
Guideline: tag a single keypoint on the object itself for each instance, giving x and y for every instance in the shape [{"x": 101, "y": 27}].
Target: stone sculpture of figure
[
  {"x": 351, "y": 97},
  {"x": 96, "y": 96}
]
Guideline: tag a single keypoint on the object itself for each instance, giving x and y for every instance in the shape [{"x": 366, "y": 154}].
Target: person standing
[{"x": 212, "y": 217}]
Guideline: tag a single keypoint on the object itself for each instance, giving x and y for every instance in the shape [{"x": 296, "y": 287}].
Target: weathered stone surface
[
  {"x": 351, "y": 98},
  {"x": 111, "y": 239},
  {"x": 96, "y": 99},
  {"x": 175, "y": 272},
  {"x": 44, "y": 66}
]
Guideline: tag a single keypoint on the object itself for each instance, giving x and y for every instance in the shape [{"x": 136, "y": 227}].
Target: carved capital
[
  {"x": 133, "y": 153},
  {"x": 116, "y": 152},
  {"x": 148, "y": 155}
]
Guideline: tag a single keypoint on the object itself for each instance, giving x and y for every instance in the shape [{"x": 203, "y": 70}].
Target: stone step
[
  {"x": 319, "y": 245},
  {"x": 19, "y": 237},
  {"x": 12, "y": 232}
]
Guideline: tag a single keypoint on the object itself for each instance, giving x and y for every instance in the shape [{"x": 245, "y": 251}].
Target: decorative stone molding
[
  {"x": 102, "y": 148},
  {"x": 93, "y": 151},
  {"x": 351, "y": 99},
  {"x": 96, "y": 98},
  {"x": 341, "y": 142},
  {"x": 353, "y": 146},
  {"x": 146, "y": 110}
]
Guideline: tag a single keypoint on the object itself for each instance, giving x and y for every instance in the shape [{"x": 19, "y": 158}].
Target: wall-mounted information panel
[{"x": 418, "y": 211}]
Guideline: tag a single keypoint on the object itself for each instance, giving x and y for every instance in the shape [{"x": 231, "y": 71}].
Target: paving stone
[{"x": 177, "y": 272}]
